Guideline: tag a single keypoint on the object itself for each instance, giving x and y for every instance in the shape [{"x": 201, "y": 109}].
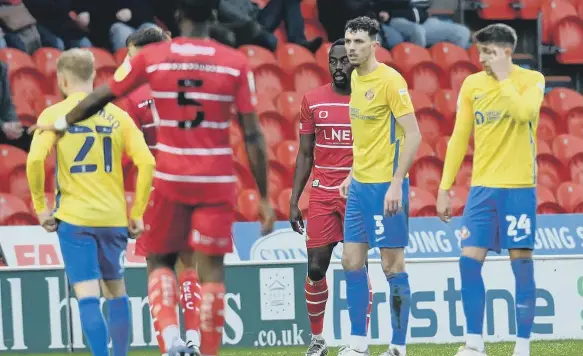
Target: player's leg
[
  {"x": 189, "y": 296},
  {"x": 155, "y": 322},
  {"x": 478, "y": 235},
  {"x": 79, "y": 251},
  {"x": 391, "y": 235},
  {"x": 517, "y": 231},
  {"x": 212, "y": 239},
  {"x": 353, "y": 261}
]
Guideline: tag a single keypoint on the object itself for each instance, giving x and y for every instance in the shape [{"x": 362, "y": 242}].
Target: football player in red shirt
[
  {"x": 194, "y": 81},
  {"x": 325, "y": 145}
]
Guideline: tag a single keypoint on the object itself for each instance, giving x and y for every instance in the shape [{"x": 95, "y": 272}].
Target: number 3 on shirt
[{"x": 104, "y": 131}]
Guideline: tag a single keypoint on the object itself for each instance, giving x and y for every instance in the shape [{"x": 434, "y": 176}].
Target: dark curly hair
[
  {"x": 363, "y": 23},
  {"x": 498, "y": 33}
]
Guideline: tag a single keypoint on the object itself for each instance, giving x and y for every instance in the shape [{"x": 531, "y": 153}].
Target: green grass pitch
[{"x": 539, "y": 348}]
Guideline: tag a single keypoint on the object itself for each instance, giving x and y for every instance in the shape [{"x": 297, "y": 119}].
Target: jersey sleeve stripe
[{"x": 192, "y": 95}]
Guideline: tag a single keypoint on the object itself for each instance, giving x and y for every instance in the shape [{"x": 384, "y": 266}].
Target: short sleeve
[
  {"x": 306, "y": 118},
  {"x": 130, "y": 75},
  {"x": 398, "y": 96},
  {"x": 245, "y": 96}
]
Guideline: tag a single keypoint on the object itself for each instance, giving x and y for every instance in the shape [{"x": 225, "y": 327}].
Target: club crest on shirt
[
  {"x": 464, "y": 233},
  {"x": 369, "y": 95}
]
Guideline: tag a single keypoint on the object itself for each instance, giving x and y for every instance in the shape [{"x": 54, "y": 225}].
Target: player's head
[
  {"x": 495, "y": 38},
  {"x": 75, "y": 71},
  {"x": 195, "y": 11},
  {"x": 361, "y": 37},
  {"x": 144, "y": 37},
  {"x": 339, "y": 65}
]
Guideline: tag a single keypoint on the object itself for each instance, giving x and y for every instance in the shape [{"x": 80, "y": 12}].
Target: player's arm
[
  {"x": 401, "y": 106},
  {"x": 128, "y": 77},
  {"x": 458, "y": 142},
  {"x": 137, "y": 149},
  {"x": 40, "y": 148},
  {"x": 524, "y": 107},
  {"x": 305, "y": 157}
]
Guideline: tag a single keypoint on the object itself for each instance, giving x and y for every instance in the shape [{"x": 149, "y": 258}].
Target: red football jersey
[
  {"x": 325, "y": 113},
  {"x": 193, "y": 83},
  {"x": 140, "y": 107}
]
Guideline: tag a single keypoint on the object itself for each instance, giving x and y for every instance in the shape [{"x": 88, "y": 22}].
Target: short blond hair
[{"x": 79, "y": 62}]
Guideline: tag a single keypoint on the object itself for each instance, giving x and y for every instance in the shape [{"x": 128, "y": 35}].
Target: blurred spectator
[
  {"x": 58, "y": 23},
  {"x": 10, "y": 128},
  {"x": 333, "y": 15},
  {"x": 18, "y": 26},
  {"x": 409, "y": 20},
  {"x": 134, "y": 15},
  {"x": 259, "y": 24}
]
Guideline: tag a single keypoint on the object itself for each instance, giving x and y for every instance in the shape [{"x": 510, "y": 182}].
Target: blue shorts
[
  {"x": 499, "y": 218},
  {"x": 92, "y": 252},
  {"x": 365, "y": 221}
]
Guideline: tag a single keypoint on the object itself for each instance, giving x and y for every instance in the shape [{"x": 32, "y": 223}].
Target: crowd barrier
[{"x": 265, "y": 301}]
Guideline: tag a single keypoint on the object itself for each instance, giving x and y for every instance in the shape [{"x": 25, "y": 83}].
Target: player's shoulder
[
  {"x": 118, "y": 114},
  {"x": 388, "y": 72},
  {"x": 529, "y": 75},
  {"x": 50, "y": 114},
  {"x": 475, "y": 80}
]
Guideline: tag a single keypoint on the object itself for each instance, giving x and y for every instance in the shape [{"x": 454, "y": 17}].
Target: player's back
[
  {"x": 325, "y": 113},
  {"x": 195, "y": 83},
  {"x": 90, "y": 189},
  {"x": 505, "y": 148}
]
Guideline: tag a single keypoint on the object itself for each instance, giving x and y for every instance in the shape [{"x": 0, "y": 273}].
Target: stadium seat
[
  {"x": 420, "y": 100},
  {"x": 285, "y": 154},
  {"x": 271, "y": 121},
  {"x": 14, "y": 210},
  {"x": 247, "y": 205},
  {"x": 28, "y": 86},
  {"x": 309, "y": 10},
  {"x": 464, "y": 176},
  {"x": 431, "y": 122},
  {"x": 313, "y": 29},
  {"x": 17, "y": 60},
  {"x": 11, "y": 158},
  {"x": 563, "y": 101},
  {"x": 570, "y": 196},
  {"x": 384, "y": 56},
  {"x": 291, "y": 56},
  {"x": 425, "y": 150},
  {"x": 550, "y": 170},
  {"x": 542, "y": 147},
  {"x": 441, "y": 147},
  {"x": 426, "y": 173},
  {"x": 243, "y": 174},
  {"x": 105, "y": 65},
  {"x": 50, "y": 100},
  {"x": 576, "y": 169},
  {"x": 258, "y": 56},
  {"x": 45, "y": 60},
  {"x": 417, "y": 67},
  {"x": 529, "y": 9},
  {"x": 459, "y": 196},
  {"x": 568, "y": 36},
  {"x": 546, "y": 201},
  {"x": 496, "y": 10},
  {"x": 309, "y": 76},
  {"x": 566, "y": 146},
  {"x": 474, "y": 55},
  {"x": 26, "y": 114},
  {"x": 281, "y": 36},
  {"x": 120, "y": 55},
  {"x": 321, "y": 56},
  {"x": 454, "y": 62},
  {"x": 283, "y": 203},
  {"x": 549, "y": 124},
  {"x": 278, "y": 180},
  {"x": 288, "y": 104},
  {"x": 553, "y": 13},
  {"x": 421, "y": 202},
  {"x": 269, "y": 80},
  {"x": 575, "y": 122},
  {"x": 445, "y": 102}
]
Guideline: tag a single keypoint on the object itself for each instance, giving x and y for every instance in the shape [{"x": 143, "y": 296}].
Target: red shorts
[
  {"x": 325, "y": 221},
  {"x": 173, "y": 227}
]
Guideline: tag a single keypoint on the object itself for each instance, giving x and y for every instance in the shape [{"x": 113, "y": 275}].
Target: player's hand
[
  {"x": 47, "y": 221},
  {"x": 295, "y": 218},
  {"x": 345, "y": 186},
  {"x": 135, "y": 227},
  {"x": 13, "y": 130},
  {"x": 444, "y": 205},
  {"x": 500, "y": 65},
  {"x": 394, "y": 198},
  {"x": 59, "y": 125},
  {"x": 267, "y": 216}
]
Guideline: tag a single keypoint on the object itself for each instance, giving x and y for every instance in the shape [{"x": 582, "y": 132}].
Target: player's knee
[
  {"x": 161, "y": 261},
  {"x": 113, "y": 288},
  {"x": 211, "y": 269},
  {"x": 392, "y": 261},
  {"x": 316, "y": 271},
  {"x": 87, "y": 289},
  {"x": 351, "y": 263},
  {"x": 477, "y": 253},
  {"x": 517, "y": 253}
]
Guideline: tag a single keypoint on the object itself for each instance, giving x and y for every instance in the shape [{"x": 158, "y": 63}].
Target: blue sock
[
  {"x": 400, "y": 306},
  {"x": 523, "y": 269},
  {"x": 357, "y": 296},
  {"x": 473, "y": 294},
  {"x": 119, "y": 324},
  {"x": 94, "y": 326}
]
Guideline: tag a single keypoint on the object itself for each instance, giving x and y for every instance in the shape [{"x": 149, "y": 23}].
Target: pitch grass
[{"x": 539, "y": 348}]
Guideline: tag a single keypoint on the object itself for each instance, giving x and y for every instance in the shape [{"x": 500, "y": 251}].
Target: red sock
[
  {"x": 369, "y": 304},
  {"x": 212, "y": 318},
  {"x": 163, "y": 297},
  {"x": 159, "y": 337},
  {"x": 190, "y": 303},
  {"x": 316, "y": 297}
]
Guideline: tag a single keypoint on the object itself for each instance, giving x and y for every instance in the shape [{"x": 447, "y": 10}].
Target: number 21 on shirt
[{"x": 103, "y": 133}]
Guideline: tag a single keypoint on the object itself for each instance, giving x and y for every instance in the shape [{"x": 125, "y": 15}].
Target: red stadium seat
[
  {"x": 313, "y": 29},
  {"x": 464, "y": 176},
  {"x": 417, "y": 67},
  {"x": 274, "y": 125},
  {"x": 46, "y": 61},
  {"x": 283, "y": 203},
  {"x": 291, "y": 56},
  {"x": 286, "y": 153},
  {"x": 459, "y": 196},
  {"x": 269, "y": 80},
  {"x": 474, "y": 55},
  {"x": 425, "y": 150},
  {"x": 27, "y": 86},
  {"x": 550, "y": 124},
  {"x": 258, "y": 56},
  {"x": 384, "y": 56},
  {"x": 11, "y": 158},
  {"x": 321, "y": 55},
  {"x": 281, "y": 36},
  {"x": 49, "y": 100},
  {"x": 244, "y": 175},
  {"x": 288, "y": 104},
  {"x": 103, "y": 59},
  {"x": 431, "y": 122},
  {"x": 454, "y": 62},
  {"x": 529, "y": 9},
  {"x": 12, "y": 209},
  {"x": 554, "y": 12},
  {"x": 420, "y": 100},
  {"x": 546, "y": 201},
  {"x": 441, "y": 147},
  {"x": 309, "y": 76},
  {"x": 421, "y": 202},
  {"x": 566, "y": 147},
  {"x": 563, "y": 101},
  {"x": 26, "y": 114},
  {"x": 570, "y": 196},
  {"x": 496, "y": 10},
  {"x": 278, "y": 180},
  {"x": 248, "y": 205},
  {"x": 309, "y": 10},
  {"x": 542, "y": 147},
  {"x": 426, "y": 173},
  {"x": 575, "y": 122},
  {"x": 445, "y": 102},
  {"x": 568, "y": 36},
  {"x": 17, "y": 60},
  {"x": 120, "y": 55},
  {"x": 576, "y": 169},
  {"x": 550, "y": 171}
]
